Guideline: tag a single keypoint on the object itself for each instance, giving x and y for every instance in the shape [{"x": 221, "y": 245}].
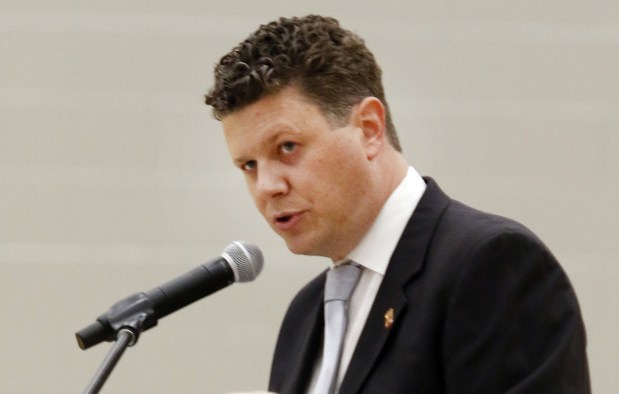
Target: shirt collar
[{"x": 375, "y": 249}]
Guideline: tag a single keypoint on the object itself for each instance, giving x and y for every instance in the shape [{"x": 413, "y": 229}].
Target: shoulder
[
  {"x": 459, "y": 226},
  {"x": 469, "y": 247},
  {"x": 470, "y": 232}
]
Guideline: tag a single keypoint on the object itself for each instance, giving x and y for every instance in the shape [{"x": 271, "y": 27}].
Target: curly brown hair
[{"x": 331, "y": 65}]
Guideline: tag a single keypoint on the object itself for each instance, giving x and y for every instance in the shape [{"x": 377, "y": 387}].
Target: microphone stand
[
  {"x": 125, "y": 338},
  {"x": 123, "y": 322}
]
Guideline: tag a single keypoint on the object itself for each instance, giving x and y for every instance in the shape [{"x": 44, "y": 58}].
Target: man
[{"x": 449, "y": 299}]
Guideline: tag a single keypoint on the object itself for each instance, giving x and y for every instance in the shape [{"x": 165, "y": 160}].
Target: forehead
[
  {"x": 287, "y": 110},
  {"x": 288, "y": 99}
]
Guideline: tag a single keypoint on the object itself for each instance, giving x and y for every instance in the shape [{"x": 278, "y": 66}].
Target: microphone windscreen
[{"x": 245, "y": 259}]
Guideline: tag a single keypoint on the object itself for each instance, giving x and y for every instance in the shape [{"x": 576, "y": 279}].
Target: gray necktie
[{"x": 341, "y": 282}]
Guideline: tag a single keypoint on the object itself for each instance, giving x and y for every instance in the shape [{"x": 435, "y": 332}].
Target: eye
[
  {"x": 249, "y": 165},
  {"x": 288, "y": 147}
]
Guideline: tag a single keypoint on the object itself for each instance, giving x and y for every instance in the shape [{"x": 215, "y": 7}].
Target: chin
[
  {"x": 306, "y": 249},
  {"x": 301, "y": 248},
  {"x": 297, "y": 250}
]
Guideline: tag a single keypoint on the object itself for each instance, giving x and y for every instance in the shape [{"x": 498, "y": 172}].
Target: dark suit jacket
[{"x": 481, "y": 306}]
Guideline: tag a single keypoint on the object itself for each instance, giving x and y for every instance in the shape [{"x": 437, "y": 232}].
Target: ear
[{"x": 370, "y": 117}]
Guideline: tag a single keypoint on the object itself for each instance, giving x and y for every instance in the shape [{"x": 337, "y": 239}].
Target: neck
[
  {"x": 386, "y": 174},
  {"x": 391, "y": 168}
]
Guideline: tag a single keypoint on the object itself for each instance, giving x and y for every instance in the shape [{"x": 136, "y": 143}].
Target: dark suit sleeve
[{"x": 513, "y": 323}]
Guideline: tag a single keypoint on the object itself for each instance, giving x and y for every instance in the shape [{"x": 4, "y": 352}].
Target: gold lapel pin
[{"x": 389, "y": 318}]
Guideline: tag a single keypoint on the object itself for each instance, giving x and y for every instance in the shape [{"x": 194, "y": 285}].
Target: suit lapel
[
  {"x": 308, "y": 336},
  {"x": 406, "y": 261}
]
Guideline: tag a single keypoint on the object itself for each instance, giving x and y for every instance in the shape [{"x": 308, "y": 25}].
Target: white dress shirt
[{"x": 373, "y": 254}]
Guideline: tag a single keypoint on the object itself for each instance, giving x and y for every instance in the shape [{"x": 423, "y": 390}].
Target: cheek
[
  {"x": 342, "y": 179},
  {"x": 251, "y": 187}
]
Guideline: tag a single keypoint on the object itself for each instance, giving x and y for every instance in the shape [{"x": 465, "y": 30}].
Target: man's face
[{"x": 307, "y": 176}]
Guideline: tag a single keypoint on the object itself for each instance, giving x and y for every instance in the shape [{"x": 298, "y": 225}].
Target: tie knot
[{"x": 341, "y": 281}]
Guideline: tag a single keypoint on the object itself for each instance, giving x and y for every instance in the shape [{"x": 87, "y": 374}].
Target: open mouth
[{"x": 283, "y": 219}]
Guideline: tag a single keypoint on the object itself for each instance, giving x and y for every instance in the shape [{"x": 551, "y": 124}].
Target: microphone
[{"x": 241, "y": 261}]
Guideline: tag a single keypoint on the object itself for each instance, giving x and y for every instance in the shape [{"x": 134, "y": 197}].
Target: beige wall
[{"x": 114, "y": 178}]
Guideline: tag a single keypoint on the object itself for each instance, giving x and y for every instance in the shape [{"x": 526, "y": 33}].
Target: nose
[{"x": 271, "y": 181}]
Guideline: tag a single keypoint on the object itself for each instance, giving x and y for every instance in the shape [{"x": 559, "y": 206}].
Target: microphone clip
[{"x": 135, "y": 313}]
